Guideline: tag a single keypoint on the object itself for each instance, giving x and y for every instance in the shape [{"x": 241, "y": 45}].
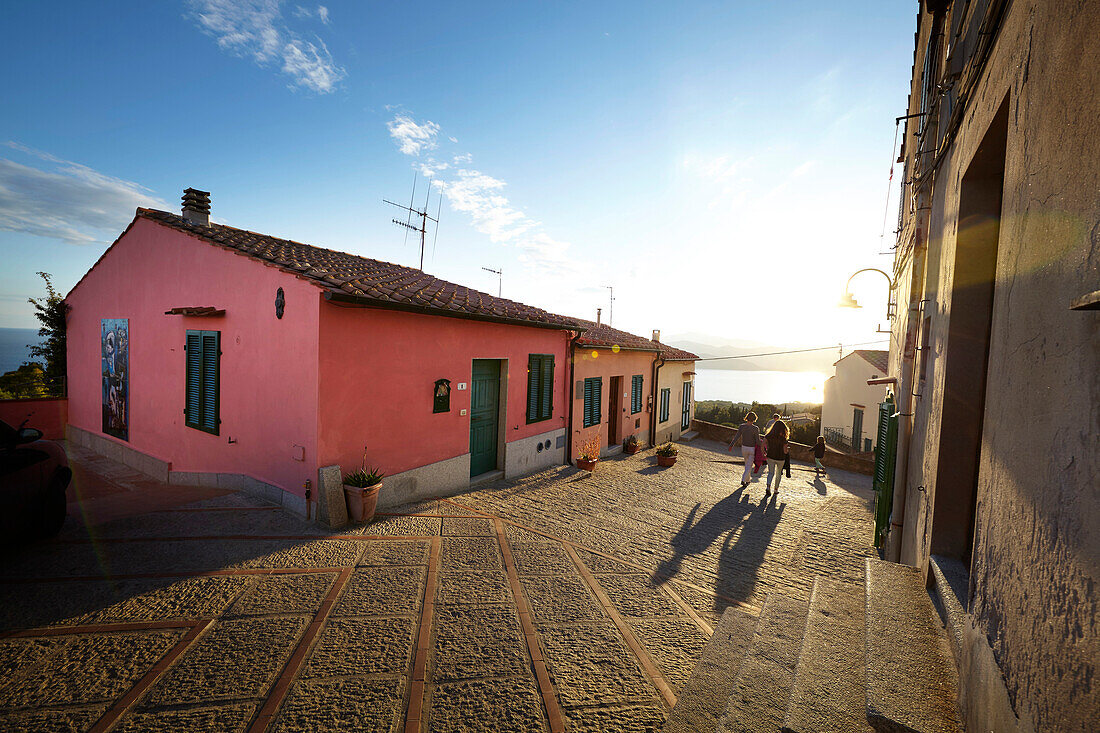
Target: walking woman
[
  {"x": 778, "y": 448},
  {"x": 746, "y": 436}
]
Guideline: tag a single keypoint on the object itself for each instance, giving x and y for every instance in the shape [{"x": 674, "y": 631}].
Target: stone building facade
[{"x": 995, "y": 350}]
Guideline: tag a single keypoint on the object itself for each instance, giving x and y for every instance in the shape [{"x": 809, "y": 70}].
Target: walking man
[{"x": 747, "y": 436}]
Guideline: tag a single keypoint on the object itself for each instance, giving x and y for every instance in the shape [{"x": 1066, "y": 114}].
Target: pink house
[
  {"x": 622, "y": 388},
  {"x": 201, "y": 353}
]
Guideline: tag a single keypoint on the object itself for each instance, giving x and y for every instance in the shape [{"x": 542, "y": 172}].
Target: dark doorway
[
  {"x": 615, "y": 412},
  {"x": 685, "y": 408},
  {"x": 967, "y": 348},
  {"x": 484, "y": 403}
]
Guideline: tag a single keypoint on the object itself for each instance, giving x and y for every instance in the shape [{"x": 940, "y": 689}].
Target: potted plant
[
  {"x": 361, "y": 492},
  {"x": 666, "y": 454},
  {"x": 589, "y": 453},
  {"x": 631, "y": 445}
]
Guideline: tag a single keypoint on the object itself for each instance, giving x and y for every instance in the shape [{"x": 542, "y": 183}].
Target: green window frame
[
  {"x": 540, "y": 387},
  {"x": 202, "y": 394},
  {"x": 666, "y": 399},
  {"x": 593, "y": 389},
  {"x": 636, "y": 394}
]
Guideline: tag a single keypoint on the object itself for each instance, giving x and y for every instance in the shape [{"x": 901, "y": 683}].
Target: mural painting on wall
[{"x": 115, "y": 350}]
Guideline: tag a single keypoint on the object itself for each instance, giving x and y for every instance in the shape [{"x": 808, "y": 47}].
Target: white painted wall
[{"x": 847, "y": 387}]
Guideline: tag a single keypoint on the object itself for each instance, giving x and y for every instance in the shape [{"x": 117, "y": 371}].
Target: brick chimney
[
  {"x": 196, "y": 207},
  {"x": 598, "y": 312},
  {"x": 657, "y": 335}
]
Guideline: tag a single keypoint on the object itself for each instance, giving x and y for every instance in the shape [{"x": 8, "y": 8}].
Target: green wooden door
[{"x": 484, "y": 398}]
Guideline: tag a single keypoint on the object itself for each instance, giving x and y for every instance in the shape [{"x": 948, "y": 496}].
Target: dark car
[{"x": 34, "y": 474}]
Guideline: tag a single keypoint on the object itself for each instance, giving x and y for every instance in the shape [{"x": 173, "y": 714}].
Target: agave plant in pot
[
  {"x": 631, "y": 445},
  {"x": 589, "y": 453},
  {"x": 666, "y": 454},
  {"x": 361, "y": 492}
]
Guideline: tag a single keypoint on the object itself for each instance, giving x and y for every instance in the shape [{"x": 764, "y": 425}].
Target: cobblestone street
[{"x": 560, "y": 601}]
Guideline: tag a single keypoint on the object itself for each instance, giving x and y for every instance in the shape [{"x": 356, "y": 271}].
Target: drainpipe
[
  {"x": 572, "y": 381},
  {"x": 658, "y": 362}
]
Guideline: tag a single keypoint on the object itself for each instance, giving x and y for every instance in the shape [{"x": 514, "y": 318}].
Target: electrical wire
[{"x": 792, "y": 351}]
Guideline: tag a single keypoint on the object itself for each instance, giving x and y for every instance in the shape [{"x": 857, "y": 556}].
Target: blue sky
[{"x": 722, "y": 165}]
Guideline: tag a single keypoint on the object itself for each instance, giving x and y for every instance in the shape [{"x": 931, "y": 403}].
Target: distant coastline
[{"x": 14, "y": 349}]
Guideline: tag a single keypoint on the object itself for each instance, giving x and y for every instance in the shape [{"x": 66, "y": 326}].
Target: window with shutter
[
  {"x": 666, "y": 398},
  {"x": 540, "y": 387},
  {"x": 636, "y": 394},
  {"x": 592, "y": 390},
  {"x": 201, "y": 401}
]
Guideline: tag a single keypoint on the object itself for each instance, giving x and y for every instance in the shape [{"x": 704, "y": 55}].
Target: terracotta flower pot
[
  {"x": 362, "y": 502},
  {"x": 586, "y": 465},
  {"x": 666, "y": 461},
  {"x": 632, "y": 449}
]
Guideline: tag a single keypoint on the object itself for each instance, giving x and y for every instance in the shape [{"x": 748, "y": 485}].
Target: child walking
[{"x": 819, "y": 453}]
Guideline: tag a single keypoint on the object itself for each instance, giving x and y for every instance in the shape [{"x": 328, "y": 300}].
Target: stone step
[
  {"x": 702, "y": 701},
  {"x": 759, "y": 698},
  {"x": 909, "y": 671},
  {"x": 689, "y": 436},
  {"x": 828, "y": 692}
]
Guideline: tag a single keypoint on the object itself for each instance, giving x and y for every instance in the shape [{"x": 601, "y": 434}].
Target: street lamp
[{"x": 848, "y": 300}]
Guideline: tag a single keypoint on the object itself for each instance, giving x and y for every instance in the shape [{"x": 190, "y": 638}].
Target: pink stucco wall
[
  {"x": 268, "y": 366},
  {"x": 377, "y": 371},
  {"x": 48, "y": 414},
  {"x": 606, "y": 363}
]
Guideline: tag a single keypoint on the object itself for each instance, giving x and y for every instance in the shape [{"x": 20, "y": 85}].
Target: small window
[
  {"x": 593, "y": 386},
  {"x": 636, "y": 394},
  {"x": 540, "y": 387},
  {"x": 666, "y": 399},
  {"x": 201, "y": 402}
]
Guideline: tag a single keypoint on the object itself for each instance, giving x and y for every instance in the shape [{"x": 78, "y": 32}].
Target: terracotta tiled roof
[
  {"x": 606, "y": 336},
  {"x": 671, "y": 353},
  {"x": 878, "y": 359},
  {"x": 371, "y": 281}
]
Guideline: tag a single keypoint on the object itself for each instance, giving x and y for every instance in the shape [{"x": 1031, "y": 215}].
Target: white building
[{"x": 849, "y": 412}]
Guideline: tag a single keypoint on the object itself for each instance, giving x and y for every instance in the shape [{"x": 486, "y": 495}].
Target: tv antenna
[
  {"x": 611, "y": 310},
  {"x": 500, "y": 279},
  {"x": 408, "y": 224}
]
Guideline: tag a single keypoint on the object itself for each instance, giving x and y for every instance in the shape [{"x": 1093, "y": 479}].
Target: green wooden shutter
[
  {"x": 211, "y": 353},
  {"x": 636, "y": 394},
  {"x": 192, "y": 407},
  {"x": 201, "y": 392},
  {"x": 533, "y": 376},
  {"x": 592, "y": 389},
  {"x": 546, "y": 396}
]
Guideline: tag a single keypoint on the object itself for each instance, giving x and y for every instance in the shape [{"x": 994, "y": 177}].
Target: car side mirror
[{"x": 28, "y": 435}]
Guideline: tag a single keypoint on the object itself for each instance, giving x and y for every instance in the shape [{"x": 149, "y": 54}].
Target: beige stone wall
[
  {"x": 672, "y": 378},
  {"x": 1035, "y": 565}
]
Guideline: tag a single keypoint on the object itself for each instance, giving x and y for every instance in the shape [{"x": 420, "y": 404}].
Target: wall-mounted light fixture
[{"x": 848, "y": 300}]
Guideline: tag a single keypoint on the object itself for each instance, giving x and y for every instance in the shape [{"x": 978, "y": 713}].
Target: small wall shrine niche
[{"x": 442, "y": 396}]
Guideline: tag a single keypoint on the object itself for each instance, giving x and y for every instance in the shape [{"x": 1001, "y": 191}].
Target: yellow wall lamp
[{"x": 848, "y": 300}]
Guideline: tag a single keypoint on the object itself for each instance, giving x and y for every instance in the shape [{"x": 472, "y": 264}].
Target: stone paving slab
[
  {"x": 281, "y": 594},
  {"x": 590, "y": 664},
  {"x": 341, "y": 649},
  {"x": 233, "y": 718},
  {"x": 395, "y": 552},
  {"x": 555, "y": 599},
  {"x": 503, "y": 704},
  {"x": 478, "y": 641},
  {"x": 352, "y": 703},
  {"x": 375, "y": 591}
]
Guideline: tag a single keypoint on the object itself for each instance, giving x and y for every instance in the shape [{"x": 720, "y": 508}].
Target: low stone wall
[
  {"x": 799, "y": 452},
  {"x": 48, "y": 414}
]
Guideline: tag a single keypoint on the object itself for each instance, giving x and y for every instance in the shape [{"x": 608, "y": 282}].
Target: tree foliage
[
  {"x": 51, "y": 312},
  {"x": 733, "y": 414}
]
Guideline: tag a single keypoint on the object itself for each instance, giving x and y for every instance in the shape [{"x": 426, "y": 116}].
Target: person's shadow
[
  {"x": 739, "y": 562},
  {"x": 693, "y": 538}
]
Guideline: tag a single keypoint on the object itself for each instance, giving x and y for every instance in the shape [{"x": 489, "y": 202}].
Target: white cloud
[
  {"x": 479, "y": 196},
  {"x": 66, "y": 200},
  {"x": 256, "y": 29},
  {"x": 413, "y": 137}
]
